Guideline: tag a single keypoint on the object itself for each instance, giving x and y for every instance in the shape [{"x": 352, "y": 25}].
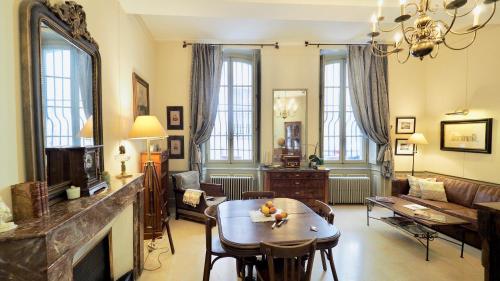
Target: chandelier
[
  {"x": 431, "y": 26},
  {"x": 285, "y": 109}
]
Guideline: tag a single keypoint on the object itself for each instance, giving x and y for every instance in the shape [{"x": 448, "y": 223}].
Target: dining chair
[
  {"x": 214, "y": 247},
  {"x": 286, "y": 262},
  {"x": 247, "y": 195},
  {"x": 326, "y": 212}
]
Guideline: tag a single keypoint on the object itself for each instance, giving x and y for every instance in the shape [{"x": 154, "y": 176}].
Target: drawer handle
[
  {"x": 297, "y": 193},
  {"x": 297, "y": 183}
]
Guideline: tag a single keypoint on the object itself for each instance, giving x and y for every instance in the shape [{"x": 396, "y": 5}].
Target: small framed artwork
[
  {"x": 176, "y": 147},
  {"x": 175, "y": 118},
  {"x": 405, "y": 125},
  {"x": 473, "y": 136},
  {"x": 404, "y": 148},
  {"x": 140, "y": 90}
]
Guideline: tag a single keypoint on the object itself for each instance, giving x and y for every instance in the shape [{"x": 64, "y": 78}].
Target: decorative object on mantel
[
  {"x": 405, "y": 125},
  {"x": 416, "y": 139},
  {"x": 122, "y": 157},
  {"x": 148, "y": 128},
  {"x": 73, "y": 192},
  {"x": 78, "y": 166},
  {"x": 175, "y": 118},
  {"x": 473, "y": 136},
  {"x": 425, "y": 36},
  {"x": 6, "y": 223},
  {"x": 30, "y": 200}
]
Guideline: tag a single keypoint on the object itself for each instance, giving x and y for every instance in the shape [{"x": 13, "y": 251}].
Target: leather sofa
[{"x": 462, "y": 194}]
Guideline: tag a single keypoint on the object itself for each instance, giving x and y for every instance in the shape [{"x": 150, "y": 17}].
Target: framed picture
[
  {"x": 405, "y": 125},
  {"x": 403, "y": 148},
  {"x": 175, "y": 119},
  {"x": 140, "y": 90},
  {"x": 176, "y": 147},
  {"x": 467, "y": 135}
]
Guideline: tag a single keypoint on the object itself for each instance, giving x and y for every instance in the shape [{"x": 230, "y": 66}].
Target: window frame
[
  {"x": 329, "y": 59},
  {"x": 242, "y": 56}
]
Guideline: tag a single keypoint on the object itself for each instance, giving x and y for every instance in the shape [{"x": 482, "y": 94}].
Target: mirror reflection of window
[{"x": 67, "y": 91}]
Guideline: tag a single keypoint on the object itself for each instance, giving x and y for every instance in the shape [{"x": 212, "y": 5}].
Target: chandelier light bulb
[
  {"x": 374, "y": 23},
  {"x": 397, "y": 38},
  {"x": 477, "y": 13},
  {"x": 380, "y": 3}
]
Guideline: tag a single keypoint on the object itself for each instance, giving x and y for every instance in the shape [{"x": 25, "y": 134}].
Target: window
[
  {"x": 234, "y": 137},
  {"x": 342, "y": 139}
]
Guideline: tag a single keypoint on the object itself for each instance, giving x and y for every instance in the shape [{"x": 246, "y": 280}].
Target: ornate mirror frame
[{"x": 69, "y": 20}]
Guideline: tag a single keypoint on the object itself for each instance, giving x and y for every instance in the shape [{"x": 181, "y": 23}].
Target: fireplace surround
[{"x": 44, "y": 248}]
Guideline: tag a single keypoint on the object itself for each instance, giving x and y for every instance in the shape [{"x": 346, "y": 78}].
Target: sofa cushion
[
  {"x": 416, "y": 185},
  {"x": 433, "y": 191},
  {"x": 437, "y": 205},
  {"x": 458, "y": 191},
  {"x": 467, "y": 214},
  {"x": 487, "y": 193},
  {"x": 187, "y": 180}
]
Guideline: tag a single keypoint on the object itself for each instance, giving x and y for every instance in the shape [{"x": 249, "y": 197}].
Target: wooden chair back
[
  {"x": 325, "y": 211},
  {"x": 210, "y": 222},
  {"x": 293, "y": 259},
  {"x": 247, "y": 195}
]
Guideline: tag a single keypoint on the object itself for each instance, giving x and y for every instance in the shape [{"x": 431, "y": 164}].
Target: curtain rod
[
  {"x": 307, "y": 44},
  {"x": 275, "y": 45}
]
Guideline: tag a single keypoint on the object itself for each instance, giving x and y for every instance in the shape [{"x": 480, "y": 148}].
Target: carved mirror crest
[{"x": 61, "y": 88}]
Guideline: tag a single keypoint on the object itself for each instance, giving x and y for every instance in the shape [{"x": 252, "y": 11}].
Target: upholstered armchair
[{"x": 212, "y": 195}]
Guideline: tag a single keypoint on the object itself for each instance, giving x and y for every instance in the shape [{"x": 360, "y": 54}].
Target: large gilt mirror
[
  {"x": 61, "y": 82},
  {"x": 289, "y": 123}
]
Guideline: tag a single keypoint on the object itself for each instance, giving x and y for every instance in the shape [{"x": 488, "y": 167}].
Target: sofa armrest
[
  {"x": 400, "y": 187},
  {"x": 212, "y": 189}
]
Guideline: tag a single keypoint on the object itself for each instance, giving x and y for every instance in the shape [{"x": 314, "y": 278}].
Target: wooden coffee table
[{"x": 405, "y": 220}]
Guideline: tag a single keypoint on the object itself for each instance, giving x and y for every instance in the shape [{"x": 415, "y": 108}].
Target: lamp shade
[
  {"x": 417, "y": 138},
  {"x": 88, "y": 129},
  {"x": 147, "y": 127}
]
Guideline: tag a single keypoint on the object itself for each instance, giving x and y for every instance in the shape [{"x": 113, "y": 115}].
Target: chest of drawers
[{"x": 305, "y": 185}]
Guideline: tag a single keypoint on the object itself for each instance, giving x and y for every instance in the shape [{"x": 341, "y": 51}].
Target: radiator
[
  {"x": 234, "y": 185},
  {"x": 349, "y": 190}
]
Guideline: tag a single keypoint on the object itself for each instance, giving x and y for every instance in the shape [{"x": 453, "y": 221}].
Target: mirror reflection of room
[
  {"x": 290, "y": 111},
  {"x": 66, "y": 76}
]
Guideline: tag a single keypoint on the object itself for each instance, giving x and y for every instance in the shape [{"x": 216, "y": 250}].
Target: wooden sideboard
[
  {"x": 160, "y": 160},
  {"x": 305, "y": 185}
]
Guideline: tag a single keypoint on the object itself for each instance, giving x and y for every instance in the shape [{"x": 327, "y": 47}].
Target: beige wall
[{"x": 125, "y": 46}]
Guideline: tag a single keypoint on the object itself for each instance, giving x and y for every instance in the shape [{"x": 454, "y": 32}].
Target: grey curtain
[
  {"x": 84, "y": 70},
  {"x": 206, "y": 71},
  {"x": 370, "y": 100}
]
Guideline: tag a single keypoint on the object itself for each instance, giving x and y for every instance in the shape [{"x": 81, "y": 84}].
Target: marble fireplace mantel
[{"x": 43, "y": 249}]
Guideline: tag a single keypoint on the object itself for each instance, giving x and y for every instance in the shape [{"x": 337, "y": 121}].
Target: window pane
[
  {"x": 354, "y": 142},
  {"x": 219, "y": 140},
  {"x": 242, "y": 112},
  {"x": 331, "y": 124}
]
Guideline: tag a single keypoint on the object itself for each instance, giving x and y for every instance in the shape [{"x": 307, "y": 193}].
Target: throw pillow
[
  {"x": 433, "y": 191},
  {"x": 415, "y": 185}
]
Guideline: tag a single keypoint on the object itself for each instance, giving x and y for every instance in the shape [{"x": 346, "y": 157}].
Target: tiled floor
[{"x": 375, "y": 253}]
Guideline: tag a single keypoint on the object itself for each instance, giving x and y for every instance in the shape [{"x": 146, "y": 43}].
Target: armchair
[{"x": 212, "y": 195}]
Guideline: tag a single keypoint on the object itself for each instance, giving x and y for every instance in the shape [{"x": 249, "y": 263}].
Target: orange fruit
[
  {"x": 272, "y": 210},
  {"x": 278, "y": 217},
  {"x": 269, "y": 204},
  {"x": 284, "y": 215}
]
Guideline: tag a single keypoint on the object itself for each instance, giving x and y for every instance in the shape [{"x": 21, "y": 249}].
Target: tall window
[
  {"x": 342, "y": 138},
  {"x": 233, "y": 138}
]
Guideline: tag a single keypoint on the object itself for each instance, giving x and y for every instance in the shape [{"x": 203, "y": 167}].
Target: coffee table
[{"x": 420, "y": 228}]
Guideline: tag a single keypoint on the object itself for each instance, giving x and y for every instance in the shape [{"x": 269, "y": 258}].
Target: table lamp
[
  {"x": 87, "y": 131},
  {"x": 416, "y": 139},
  {"x": 148, "y": 128}
]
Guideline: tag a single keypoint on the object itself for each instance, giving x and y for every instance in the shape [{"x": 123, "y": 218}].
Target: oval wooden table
[{"x": 241, "y": 237}]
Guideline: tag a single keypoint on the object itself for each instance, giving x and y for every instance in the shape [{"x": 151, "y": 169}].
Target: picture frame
[
  {"x": 175, "y": 118},
  {"x": 403, "y": 148},
  {"x": 474, "y": 136},
  {"x": 406, "y": 125},
  {"x": 176, "y": 147},
  {"x": 140, "y": 89}
]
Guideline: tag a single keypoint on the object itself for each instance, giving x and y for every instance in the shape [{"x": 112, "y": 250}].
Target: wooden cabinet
[
  {"x": 305, "y": 185},
  {"x": 160, "y": 160}
]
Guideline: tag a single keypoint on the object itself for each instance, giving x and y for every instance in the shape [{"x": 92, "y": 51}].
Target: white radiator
[
  {"x": 349, "y": 190},
  {"x": 234, "y": 185}
]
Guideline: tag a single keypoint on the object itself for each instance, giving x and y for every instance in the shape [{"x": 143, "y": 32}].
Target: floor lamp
[
  {"x": 148, "y": 128},
  {"x": 416, "y": 139}
]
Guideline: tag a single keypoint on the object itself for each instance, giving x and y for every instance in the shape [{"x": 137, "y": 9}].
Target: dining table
[{"x": 241, "y": 237}]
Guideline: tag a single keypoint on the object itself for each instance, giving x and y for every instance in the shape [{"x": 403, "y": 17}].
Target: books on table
[{"x": 415, "y": 207}]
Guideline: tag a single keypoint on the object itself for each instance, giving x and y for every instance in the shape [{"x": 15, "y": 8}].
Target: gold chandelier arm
[
  {"x": 437, "y": 52},
  {"x": 450, "y": 26},
  {"x": 415, "y": 5},
  {"x": 405, "y": 59},
  {"x": 459, "y": 15},
  {"x": 476, "y": 28},
  {"x": 381, "y": 53},
  {"x": 461, "y": 48},
  {"x": 387, "y": 30},
  {"x": 405, "y": 31}
]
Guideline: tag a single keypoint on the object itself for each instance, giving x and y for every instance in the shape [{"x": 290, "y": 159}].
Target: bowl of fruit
[{"x": 268, "y": 209}]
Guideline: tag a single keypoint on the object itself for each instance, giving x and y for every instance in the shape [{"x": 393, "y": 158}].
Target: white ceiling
[{"x": 285, "y": 21}]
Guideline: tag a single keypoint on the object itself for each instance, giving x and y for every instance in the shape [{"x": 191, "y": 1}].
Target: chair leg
[
  {"x": 170, "y": 238},
  {"x": 206, "y": 270},
  {"x": 323, "y": 262},
  {"x": 332, "y": 265},
  {"x": 239, "y": 268}
]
